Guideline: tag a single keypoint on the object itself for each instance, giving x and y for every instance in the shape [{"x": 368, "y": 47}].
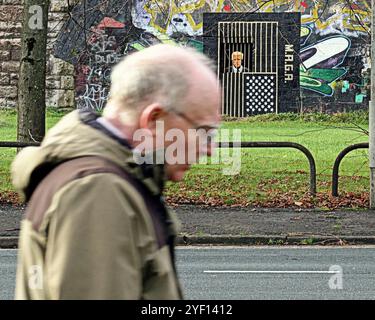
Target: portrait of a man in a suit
[{"x": 237, "y": 67}]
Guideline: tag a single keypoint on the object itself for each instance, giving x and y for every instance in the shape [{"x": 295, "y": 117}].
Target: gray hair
[
  {"x": 237, "y": 52},
  {"x": 159, "y": 73}
]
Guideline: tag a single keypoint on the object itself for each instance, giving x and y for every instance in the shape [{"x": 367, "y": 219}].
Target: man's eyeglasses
[
  {"x": 195, "y": 125},
  {"x": 205, "y": 132}
]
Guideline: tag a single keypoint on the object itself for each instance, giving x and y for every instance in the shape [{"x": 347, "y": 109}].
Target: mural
[
  {"x": 171, "y": 17},
  {"x": 347, "y": 17},
  {"x": 320, "y": 63},
  {"x": 334, "y": 41},
  {"x": 257, "y": 61}
]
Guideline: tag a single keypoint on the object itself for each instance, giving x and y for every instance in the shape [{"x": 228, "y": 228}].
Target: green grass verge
[
  {"x": 8, "y": 132},
  {"x": 268, "y": 173},
  {"x": 269, "y": 177}
]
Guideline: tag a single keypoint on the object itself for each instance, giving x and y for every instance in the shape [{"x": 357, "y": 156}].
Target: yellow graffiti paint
[
  {"x": 241, "y": 5},
  {"x": 273, "y": 5},
  {"x": 305, "y": 81},
  {"x": 166, "y": 40},
  {"x": 351, "y": 22},
  {"x": 269, "y": 6},
  {"x": 346, "y": 16},
  {"x": 162, "y": 12},
  {"x": 304, "y": 31},
  {"x": 168, "y": 9},
  {"x": 192, "y": 23},
  {"x": 220, "y": 5}
]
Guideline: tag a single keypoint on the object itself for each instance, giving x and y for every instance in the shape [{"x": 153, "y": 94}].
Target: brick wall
[{"x": 60, "y": 74}]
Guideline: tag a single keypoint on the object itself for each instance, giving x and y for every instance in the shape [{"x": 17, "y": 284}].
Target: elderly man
[{"x": 96, "y": 226}]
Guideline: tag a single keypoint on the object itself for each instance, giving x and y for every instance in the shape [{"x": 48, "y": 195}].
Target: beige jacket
[{"x": 99, "y": 235}]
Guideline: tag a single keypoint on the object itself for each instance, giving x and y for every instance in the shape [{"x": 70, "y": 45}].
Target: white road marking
[{"x": 273, "y": 271}]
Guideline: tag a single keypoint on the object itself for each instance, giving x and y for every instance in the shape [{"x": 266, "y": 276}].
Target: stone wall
[{"x": 60, "y": 77}]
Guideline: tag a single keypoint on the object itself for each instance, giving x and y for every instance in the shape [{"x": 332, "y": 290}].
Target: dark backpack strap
[
  {"x": 84, "y": 166},
  {"x": 81, "y": 167}
]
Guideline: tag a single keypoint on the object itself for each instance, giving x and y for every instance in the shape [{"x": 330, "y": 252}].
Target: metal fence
[{"x": 257, "y": 144}]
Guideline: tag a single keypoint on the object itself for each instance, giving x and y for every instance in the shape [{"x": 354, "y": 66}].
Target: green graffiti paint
[
  {"x": 137, "y": 46},
  {"x": 315, "y": 85},
  {"x": 320, "y": 80},
  {"x": 198, "y": 45},
  {"x": 328, "y": 75}
]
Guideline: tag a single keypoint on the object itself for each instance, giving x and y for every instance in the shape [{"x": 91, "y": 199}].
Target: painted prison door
[{"x": 247, "y": 67}]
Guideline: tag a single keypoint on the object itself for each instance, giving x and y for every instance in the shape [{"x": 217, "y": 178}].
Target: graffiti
[
  {"x": 305, "y": 34},
  {"x": 320, "y": 62},
  {"x": 278, "y": 6},
  {"x": 343, "y": 17},
  {"x": 330, "y": 37},
  {"x": 103, "y": 52},
  {"x": 320, "y": 80},
  {"x": 328, "y": 53},
  {"x": 334, "y": 39},
  {"x": 186, "y": 16},
  {"x": 340, "y": 17},
  {"x": 169, "y": 17},
  {"x": 147, "y": 40},
  {"x": 94, "y": 97}
]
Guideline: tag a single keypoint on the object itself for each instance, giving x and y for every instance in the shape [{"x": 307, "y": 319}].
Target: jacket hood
[{"x": 71, "y": 138}]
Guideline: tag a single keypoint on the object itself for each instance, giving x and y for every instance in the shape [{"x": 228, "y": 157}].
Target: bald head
[{"x": 162, "y": 73}]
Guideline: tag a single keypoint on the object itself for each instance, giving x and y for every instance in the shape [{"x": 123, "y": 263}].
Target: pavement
[{"x": 245, "y": 226}]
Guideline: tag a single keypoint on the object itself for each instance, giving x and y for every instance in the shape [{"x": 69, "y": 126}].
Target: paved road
[
  {"x": 309, "y": 280},
  {"x": 7, "y": 273},
  {"x": 357, "y": 263}
]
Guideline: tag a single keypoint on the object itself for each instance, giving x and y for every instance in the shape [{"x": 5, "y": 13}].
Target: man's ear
[{"x": 149, "y": 116}]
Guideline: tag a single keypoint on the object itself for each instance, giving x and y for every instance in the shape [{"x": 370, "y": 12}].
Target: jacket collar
[{"x": 152, "y": 175}]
